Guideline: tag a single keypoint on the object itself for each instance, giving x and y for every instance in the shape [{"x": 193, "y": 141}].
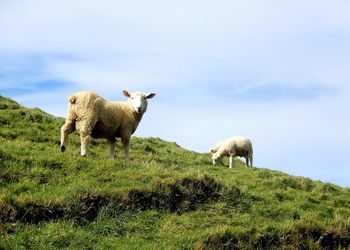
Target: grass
[{"x": 166, "y": 198}]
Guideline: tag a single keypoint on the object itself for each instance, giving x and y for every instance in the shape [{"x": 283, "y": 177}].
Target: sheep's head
[
  {"x": 138, "y": 100},
  {"x": 216, "y": 159}
]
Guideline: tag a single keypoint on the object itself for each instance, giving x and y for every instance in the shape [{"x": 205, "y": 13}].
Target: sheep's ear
[
  {"x": 150, "y": 95},
  {"x": 126, "y": 93}
]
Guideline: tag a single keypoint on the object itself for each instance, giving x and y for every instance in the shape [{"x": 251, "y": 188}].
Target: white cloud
[{"x": 172, "y": 43}]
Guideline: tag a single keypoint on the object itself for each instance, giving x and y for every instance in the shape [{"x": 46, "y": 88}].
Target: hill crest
[{"x": 54, "y": 200}]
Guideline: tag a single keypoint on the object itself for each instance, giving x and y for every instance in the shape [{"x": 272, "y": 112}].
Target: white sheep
[
  {"x": 92, "y": 115},
  {"x": 232, "y": 147}
]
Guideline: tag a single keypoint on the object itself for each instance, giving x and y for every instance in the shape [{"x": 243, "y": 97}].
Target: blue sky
[{"x": 277, "y": 72}]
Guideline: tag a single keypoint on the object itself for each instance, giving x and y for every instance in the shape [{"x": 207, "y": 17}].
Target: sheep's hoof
[{"x": 63, "y": 148}]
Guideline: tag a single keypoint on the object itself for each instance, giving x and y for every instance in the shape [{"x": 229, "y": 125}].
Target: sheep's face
[
  {"x": 138, "y": 100},
  {"x": 216, "y": 159}
]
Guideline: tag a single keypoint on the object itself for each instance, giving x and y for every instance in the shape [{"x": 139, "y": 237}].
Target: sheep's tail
[{"x": 72, "y": 99}]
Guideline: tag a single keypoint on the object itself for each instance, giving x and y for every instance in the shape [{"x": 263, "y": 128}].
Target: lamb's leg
[
  {"x": 67, "y": 128},
  {"x": 232, "y": 164},
  {"x": 126, "y": 145},
  {"x": 251, "y": 161},
  {"x": 112, "y": 147}
]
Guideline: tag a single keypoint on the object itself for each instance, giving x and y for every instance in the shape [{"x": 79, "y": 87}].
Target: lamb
[
  {"x": 93, "y": 116},
  {"x": 232, "y": 147}
]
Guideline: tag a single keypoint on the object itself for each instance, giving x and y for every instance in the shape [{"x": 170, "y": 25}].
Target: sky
[{"x": 275, "y": 71}]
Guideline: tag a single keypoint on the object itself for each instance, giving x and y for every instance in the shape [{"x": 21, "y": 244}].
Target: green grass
[{"x": 166, "y": 198}]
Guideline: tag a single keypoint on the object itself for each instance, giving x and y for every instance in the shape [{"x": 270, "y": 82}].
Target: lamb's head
[
  {"x": 216, "y": 159},
  {"x": 213, "y": 150},
  {"x": 138, "y": 100}
]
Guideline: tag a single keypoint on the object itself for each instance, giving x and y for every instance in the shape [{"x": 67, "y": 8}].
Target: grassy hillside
[{"x": 166, "y": 198}]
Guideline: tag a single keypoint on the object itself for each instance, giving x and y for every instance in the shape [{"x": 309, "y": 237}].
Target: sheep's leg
[
  {"x": 111, "y": 147},
  {"x": 67, "y": 128},
  {"x": 126, "y": 145},
  {"x": 84, "y": 141},
  {"x": 232, "y": 163},
  {"x": 85, "y": 132},
  {"x": 251, "y": 161}
]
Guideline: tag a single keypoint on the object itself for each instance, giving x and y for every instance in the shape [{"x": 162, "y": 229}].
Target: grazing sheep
[
  {"x": 232, "y": 147},
  {"x": 92, "y": 115}
]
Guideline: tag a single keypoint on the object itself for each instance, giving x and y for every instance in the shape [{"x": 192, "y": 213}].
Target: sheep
[
  {"x": 93, "y": 116},
  {"x": 232, "y": 147}
]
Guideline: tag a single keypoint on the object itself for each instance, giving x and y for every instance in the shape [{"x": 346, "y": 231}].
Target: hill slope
[{"x": 166, "y": 198}]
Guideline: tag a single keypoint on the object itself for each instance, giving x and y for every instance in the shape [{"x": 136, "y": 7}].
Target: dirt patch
[
  {"x": 327, "y": 239},
  {"x": 35, "y": 213},
  {"x": 182, "y": 195},
  {"x": 7, "y": 212},
  {"x": 334, "y": 240},
  {"x": 298, "y": 239},
  {"x": 87, "y": 207},
  {"x": 226, "y": 240},
  {"x": 140, "y": 200}
]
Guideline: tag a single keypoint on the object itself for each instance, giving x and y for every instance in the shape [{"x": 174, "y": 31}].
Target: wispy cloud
[{"x": 283, "y": 92}]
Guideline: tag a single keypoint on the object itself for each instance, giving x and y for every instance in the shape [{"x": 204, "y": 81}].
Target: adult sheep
[
  {"x": 93, "y": 116},
  {"x": 232, "y": 147}
]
